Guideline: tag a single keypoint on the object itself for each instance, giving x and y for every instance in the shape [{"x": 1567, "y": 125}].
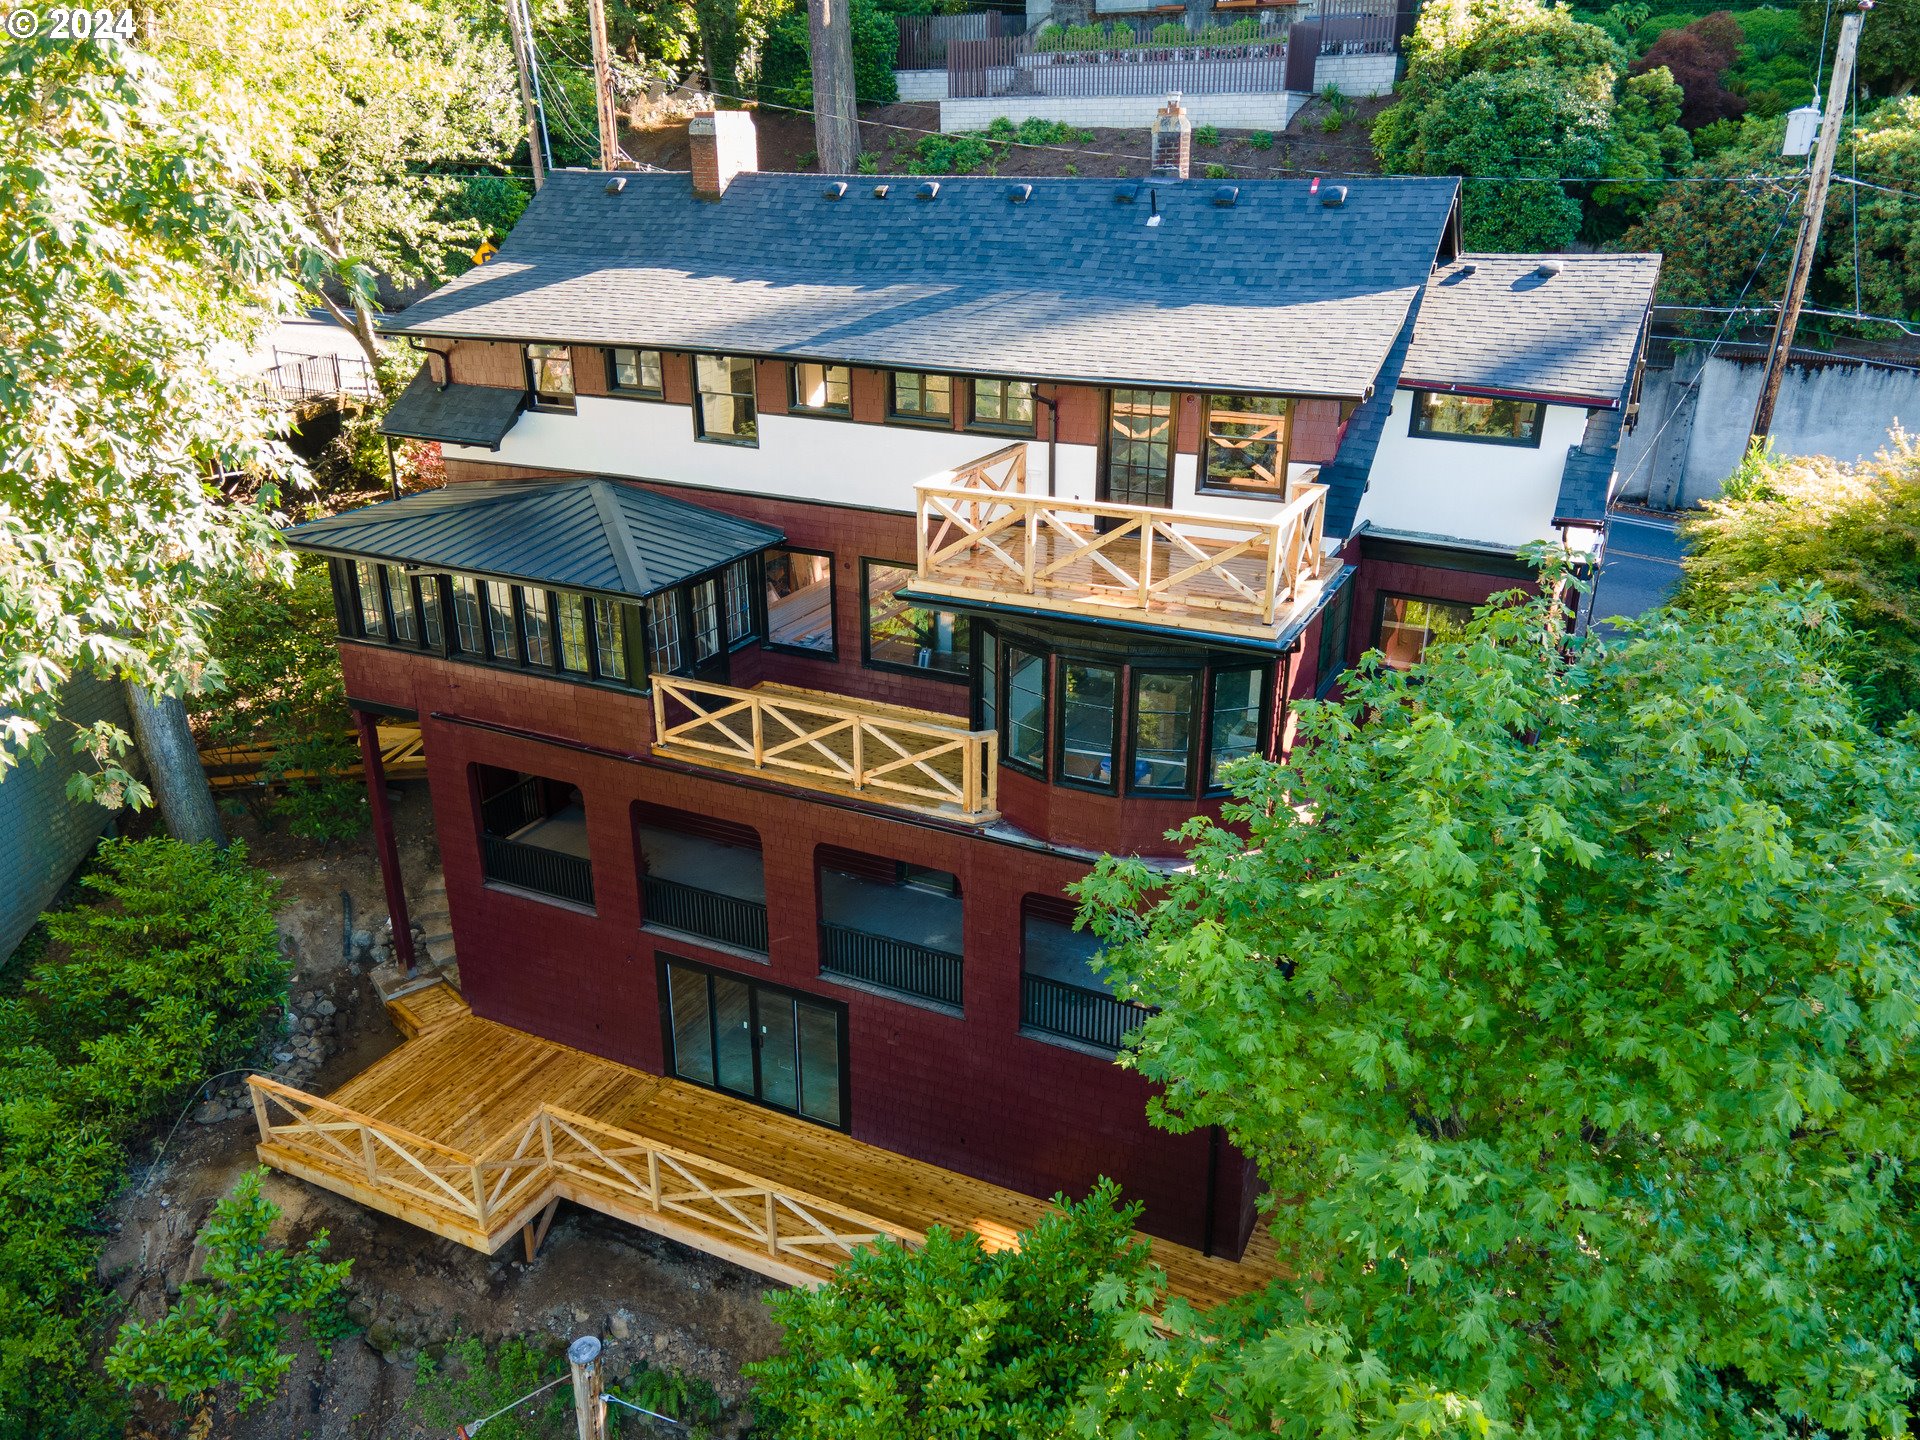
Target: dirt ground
[
  {"x": 889, "y": 133},
  {"x": 649, "y": 1299}
]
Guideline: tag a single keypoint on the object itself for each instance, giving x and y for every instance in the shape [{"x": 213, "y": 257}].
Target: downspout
[{"x": 1053, "y": 435}]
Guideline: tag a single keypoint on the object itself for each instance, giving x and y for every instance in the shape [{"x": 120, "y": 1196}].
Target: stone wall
[{"x": 1121, "y": 112}]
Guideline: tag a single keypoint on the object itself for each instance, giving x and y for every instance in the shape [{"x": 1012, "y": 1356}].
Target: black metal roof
[
  {"x": 453, "y": 414},
  {"x": 1275, "y": 291},
  {"x": 586, "y": 534}
]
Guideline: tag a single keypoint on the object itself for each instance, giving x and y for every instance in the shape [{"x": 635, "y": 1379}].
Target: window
[
  {"x": 406, "y": 620},
  {"x": 800, "y": 600},
  {"x": 1409, "y": 624},
  {"x": 822, "y": 389},
  {"x": 1233, "y": 730},
  {"x": 1476, "y": 418},
  {"x": 1247, "y": 444},
  {"x": 909, "y": 636},
  {"x": 610, "y": 639},
  {"x": 573, "y": 633},
  {"x": 366, "y": 584},
  {"x": 539, "y": 627},
  {"x": 500, "y": 626},
  {"x": 663, "y": 632},
  {"x": 1027, "y": 709},
  {"x": 1336, "y": 625},
  {"x": 430, "y": 626},
  {"x": 989, "y": 680},
  {"x": 1139, "y": 448},
  {"x": 634, "y": 372},
  {"x": 920, "y": 396},
  {"x": 1003, "y": 405},
  {"x": 706, "y": 621},
  {"x": 550, "y": 376},
  {"x": 1089, "y": 707},
  {"x": 469, "y": 625},
  {"x": 1163, "y": 730},
  {"x": 724, "y": 399},
  {"x": 739, "y": 587},
  {"x": 784, "y": 1050}
]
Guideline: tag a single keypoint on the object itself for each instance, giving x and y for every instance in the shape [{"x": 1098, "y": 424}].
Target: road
[{"x": 1642, "y": 565}]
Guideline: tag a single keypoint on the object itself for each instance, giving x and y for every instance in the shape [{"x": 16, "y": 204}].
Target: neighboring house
[{"x": 830, "y": 570}]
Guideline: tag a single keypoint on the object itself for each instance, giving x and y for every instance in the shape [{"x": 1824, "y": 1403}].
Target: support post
[
  {"x": 604, "y": 112},
  {"x": 1839, "y": 88},
  {"x": 522, "y": 44},
  {"x": 589, "y": 1403},
  {"x": 384, "y": 846}
]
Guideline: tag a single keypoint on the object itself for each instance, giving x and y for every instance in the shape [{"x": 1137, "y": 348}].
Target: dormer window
[
  {"x": 550, "y": 376},
  {"x": 1480, "y": 419}
]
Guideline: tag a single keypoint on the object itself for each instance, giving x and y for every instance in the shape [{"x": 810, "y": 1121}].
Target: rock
[
  {"x": 579, "y": 1316},
  {"x": 210, "y": 1112},
  {"x": 325, "y": 1007},
  {"x": 363, "y": 939},
  {"x": 620, "y": 1325},
  {"x": 360, "y": 1311},
  {"x": 281, "y": 1057}
]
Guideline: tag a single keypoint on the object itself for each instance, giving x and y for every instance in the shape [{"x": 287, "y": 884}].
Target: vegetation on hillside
[{"x": 159, "y": 978}]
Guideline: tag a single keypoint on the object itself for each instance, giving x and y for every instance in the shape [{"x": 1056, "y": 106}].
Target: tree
[
  {"x": 786, "y": 76},
  {"x": 139, "y": 263},
  {"x": 1889, "y": 43},
  {"x": 836, "y": 126},
  {"x": 1566, "y": 992},
  {"x": 1521, "y": 89},
  {"x": 951, "y": 1341},
  {"x": 359, "y": 126},
  {"x": 1850, "y": 527},
  {"x": 1698, "y": 57},
  {"x": 1884, "y": 150},
  {"x": 230, "y": 1326}
]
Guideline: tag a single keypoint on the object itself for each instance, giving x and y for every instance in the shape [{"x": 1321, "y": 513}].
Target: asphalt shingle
[
  {"x": 1277, "y": 292},
  {"x": 452, "y": 414}
]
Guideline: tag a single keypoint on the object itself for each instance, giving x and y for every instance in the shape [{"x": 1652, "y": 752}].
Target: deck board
[{"x": 470, "y": 1083}]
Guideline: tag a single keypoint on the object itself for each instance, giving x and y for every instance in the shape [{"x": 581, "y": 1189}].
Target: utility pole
[
  {"x": 1839, "y": 87},
  {"x": 589, "y": 1406},
  {"x": 835, "y": 120},
  {"x": 522, "y": 45},
  {"x": 603, "y": 85}
]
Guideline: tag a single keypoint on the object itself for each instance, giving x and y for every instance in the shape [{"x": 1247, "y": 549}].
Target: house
[{"x": 828, "y": 571}]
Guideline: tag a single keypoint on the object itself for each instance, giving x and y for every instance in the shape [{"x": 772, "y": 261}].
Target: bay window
[
  {"x": 1239, "y": 706},
  {"x": 1164, "y": 702},
  {"x": 1089, "y": 715},
  {"x": 1026, "y": 709}
]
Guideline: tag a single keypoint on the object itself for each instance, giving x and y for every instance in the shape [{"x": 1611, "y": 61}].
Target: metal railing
[
  {"x": 1019, "y": 65},
  {"x": 513, "y": 808},
  {"x": 894, "y": 964},
  {"x": 706, "y": 913},
  {"x": 536, "y": 868},
  {"x": 298, "y": 378},
  {"x": 1092, "y": 1017},
  {"x": 923, "y": 39}
]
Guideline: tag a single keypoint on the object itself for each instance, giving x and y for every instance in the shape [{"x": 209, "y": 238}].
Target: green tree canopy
[
  {"x": 1566, "y": 994},
  {"x": 1889, "y": 42},
  {"x": 138, "y": 265}
]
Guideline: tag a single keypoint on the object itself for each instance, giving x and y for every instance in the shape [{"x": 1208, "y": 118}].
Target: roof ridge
[{"x": 613, "y": 521}]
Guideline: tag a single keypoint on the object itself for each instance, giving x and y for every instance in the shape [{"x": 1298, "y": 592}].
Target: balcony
[
  {"x": 901, "y": 934},
  {"x": 701, "y": 887},
  {"x": 528, "y": 843},
  {"x": 915, "y": 759},
  {"x": 984, "y": 538}
]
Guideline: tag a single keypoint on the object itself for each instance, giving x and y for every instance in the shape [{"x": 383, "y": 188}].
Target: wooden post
[
  {"x": 607, "y": 116},
  {"x": 1146, "y": 562},
  {"x": 589, "y": 1404},
  {"x": 522, "y": 46},
  {"x": 260, "y": 1112},
  {"x": 1033, "y": 546},
  {"x": 386, "y": 849},
  {"x": 1839, "y": 88},
  {"x": 773, "y": 1225}
]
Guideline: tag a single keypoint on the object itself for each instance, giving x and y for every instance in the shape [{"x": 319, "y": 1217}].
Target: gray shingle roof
[
  {"x": 587, "y": 534},
  {"x": 1490, "y": 322},
  {"x": 1588, "y": 473},
  {"x": 455, "y": 414},
  {"x": 1277, "y": 292}
]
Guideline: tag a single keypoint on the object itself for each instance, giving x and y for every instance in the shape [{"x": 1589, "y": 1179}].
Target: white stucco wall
[
  {"x": 1493, "y": 494},
  {"x": 1119, "y": 112}
]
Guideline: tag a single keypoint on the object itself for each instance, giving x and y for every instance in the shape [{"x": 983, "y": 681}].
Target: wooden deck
[
  {"x": 470, "y": 1129},
  {"x": 917, "y": 760}
]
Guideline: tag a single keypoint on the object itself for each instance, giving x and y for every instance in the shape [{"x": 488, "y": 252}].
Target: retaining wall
[{"x": 1120, "y": 112}]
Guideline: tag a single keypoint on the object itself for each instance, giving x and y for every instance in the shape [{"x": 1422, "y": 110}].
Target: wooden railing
[
  {"x": 867, "y": 751},
  {"x": 558, "y": 1151},
  {"x": 979, "y": 531}
]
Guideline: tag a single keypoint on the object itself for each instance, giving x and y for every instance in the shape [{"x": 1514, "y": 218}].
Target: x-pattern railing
[{"x": 772, "y": 731}]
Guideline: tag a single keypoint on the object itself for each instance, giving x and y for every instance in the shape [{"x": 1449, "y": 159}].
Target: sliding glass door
[{"x": 777, "y": 1047}]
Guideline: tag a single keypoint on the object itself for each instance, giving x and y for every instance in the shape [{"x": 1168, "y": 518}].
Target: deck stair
[{"x": 471, "y": 1129}]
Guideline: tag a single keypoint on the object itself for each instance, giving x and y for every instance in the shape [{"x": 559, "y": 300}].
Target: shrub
[
  {"x": 1218, "y": 172},
  {"x": 229, "y": 1327},
  {"x": 1261, "y": 140},
  {"x": 1698, "y": 57},
  {"x": 158, "y": 979},
  {"x": 1171, "y": 33},
  {"x": 950, "y": 155},
  {"x": 1206, "y": 135}
]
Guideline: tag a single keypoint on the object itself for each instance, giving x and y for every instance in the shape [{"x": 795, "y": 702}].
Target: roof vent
[
  {"x": 1334, "y": 196},
  {"x": 616, "y": 184},
  {"x": 928, "y": 189},
  {"x": 834, "y": 191},
  {"x": 1469, "y": 269},
  {"x": 1127, "y": 194},
  {"x": 1226, "y": 196},
  {"x": 1019, "y": 194},
  {"x": 1547, "y": 269},
  {"x": 879, "y": 192}
]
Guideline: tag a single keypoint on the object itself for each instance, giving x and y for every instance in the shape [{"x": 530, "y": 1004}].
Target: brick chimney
[
  {"x": 723, "y": 144},
  {"x": 1172, "y": 141}
]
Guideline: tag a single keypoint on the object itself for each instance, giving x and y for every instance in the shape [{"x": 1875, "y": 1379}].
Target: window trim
[
  {"x": 1420, "y": 397},
  {"x": 961, "y": 676},
  {"x": 817, "y": 412},
  {"x": 700, "y": 433},
  {"x": 1201, "y": 483},
  {"x": 1058, "y": 723},
  {"x": 897, "y": 416},
  {"x": 832, "y": 652},
  {"x": 1002, "y": 427},
  {"x": 530, "y": 367},
  {"x": 617, "y": 391},
  {"x": 1201, "y": 676},
  {"x": 1264, "y": 724}
]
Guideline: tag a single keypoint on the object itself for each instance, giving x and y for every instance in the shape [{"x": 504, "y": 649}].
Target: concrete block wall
[
  {"x": 1124, "y": 112},
  {"x": 921, "y": 84},
  {"x": 1356, "y": 75}
]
